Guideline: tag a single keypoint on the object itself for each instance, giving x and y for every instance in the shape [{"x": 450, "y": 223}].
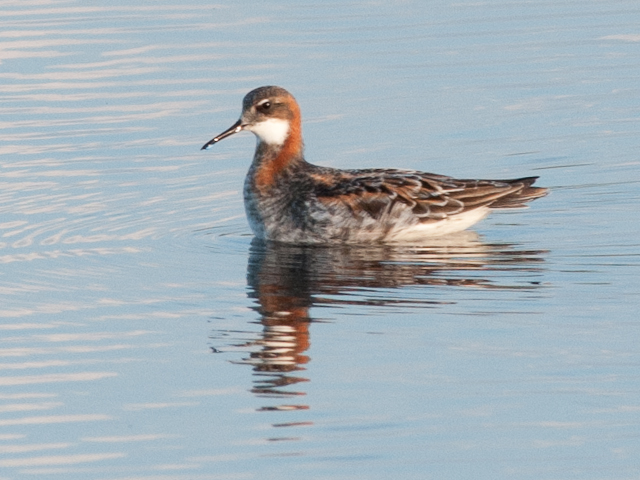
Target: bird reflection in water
[{"x": 287, "y": 280}]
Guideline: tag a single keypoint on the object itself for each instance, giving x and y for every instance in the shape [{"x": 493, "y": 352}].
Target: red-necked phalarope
[{"x": 290, "y": 200}]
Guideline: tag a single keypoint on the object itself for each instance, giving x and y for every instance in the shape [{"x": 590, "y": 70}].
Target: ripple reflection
[{"x": 286, "y": 281}]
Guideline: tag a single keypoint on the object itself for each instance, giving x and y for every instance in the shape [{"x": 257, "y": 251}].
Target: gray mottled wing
[{"x": 428, "y": 196}]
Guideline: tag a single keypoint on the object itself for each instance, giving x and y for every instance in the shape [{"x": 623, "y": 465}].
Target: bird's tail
[{"x": 520, "y": 197}]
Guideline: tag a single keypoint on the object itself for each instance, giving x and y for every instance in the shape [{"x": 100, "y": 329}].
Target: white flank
[
  {"x": 273, "y": 131},
  {"x": 447, "y": 226}
]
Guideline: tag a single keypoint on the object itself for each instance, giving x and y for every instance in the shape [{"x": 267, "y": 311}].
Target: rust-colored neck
[{"x": 270, "y": 160}]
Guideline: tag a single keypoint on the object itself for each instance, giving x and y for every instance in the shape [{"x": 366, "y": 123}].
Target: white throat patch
[{"x": 273, "y": 131}]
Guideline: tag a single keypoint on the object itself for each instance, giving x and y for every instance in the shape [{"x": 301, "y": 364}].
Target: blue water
[{"x": 145, "y": 335}]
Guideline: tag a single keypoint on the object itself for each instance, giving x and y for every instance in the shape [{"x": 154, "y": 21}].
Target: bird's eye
[{"x": 265, "y": 106}]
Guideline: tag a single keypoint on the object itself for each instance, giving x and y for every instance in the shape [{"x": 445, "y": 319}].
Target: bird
[{"x": 290, "y": 200}]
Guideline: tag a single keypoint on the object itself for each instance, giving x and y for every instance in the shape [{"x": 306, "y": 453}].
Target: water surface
[{"x": 145, "y": 335}]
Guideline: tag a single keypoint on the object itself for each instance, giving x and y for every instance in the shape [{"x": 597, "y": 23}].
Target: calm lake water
[{"x": 144, "y": 335}]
